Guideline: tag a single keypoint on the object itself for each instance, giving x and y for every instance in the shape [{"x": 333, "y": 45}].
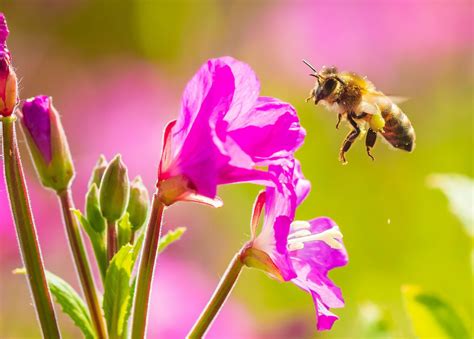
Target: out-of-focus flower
[
  {"x": 298, "y": 251},
  {"x": 138, "y": 203},
  {"x": 47, "y": 142},
  {"x": 180, "y": 292},
  {"x": 344, "y": 33},
  {"x": 114, "y": 190},
  {"x": 8, "y": 80},
  {"x": 224, "y": 131}
]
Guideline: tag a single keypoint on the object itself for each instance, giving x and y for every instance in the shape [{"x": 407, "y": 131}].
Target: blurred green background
[{"x": 116, "y": 70}]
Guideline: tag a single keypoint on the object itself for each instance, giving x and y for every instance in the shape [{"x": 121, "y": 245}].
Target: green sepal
[
  {"x": 114, "y": 190},
  {"x": 98, "y": 171},
  {"x": 431, "y": 316},
  {"x": 117, "y": 287},
  {"x": 98, "y": 243},
  {"x": 170, "y": 237},
  {"x": 124, "y": 231},
  {"x": 71, "y": 303},
  {"x": 94, "y": 216},
  {"x": 255, "y": 258},
  {"x": 138, "y": 204}
]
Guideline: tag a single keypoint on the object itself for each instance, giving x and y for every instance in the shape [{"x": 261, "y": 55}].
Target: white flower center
[{"x": 300, "y": 234}]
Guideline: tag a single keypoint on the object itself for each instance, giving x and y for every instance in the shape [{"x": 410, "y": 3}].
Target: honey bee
[{"x": 356, "y": 100}]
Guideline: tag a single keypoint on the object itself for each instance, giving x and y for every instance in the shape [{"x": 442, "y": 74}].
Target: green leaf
[
  {"x": 459, "y": 190},
  {"x": 432, "y": 317},
  {"x": 170, "y": 238},
  {"x": 374, "y": 322},
  {"x": 124, "y": 230},
  {"x": 128, "y": 311},
  {"x": 71, "y": 303},
  {"x": 98, "y": 243},
  {"x": 117, "y": 296}
]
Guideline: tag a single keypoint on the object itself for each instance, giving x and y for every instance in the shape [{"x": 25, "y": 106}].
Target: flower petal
[
  {"x": 273, "y": 237},
  {"x": 313, "y": 262},
  {"x": 247, "y": 88},
  {"x": 268, "y": 132},
  {"x": 318, "y": 253},
  {"x": 325, "y": 318},
  {"x": 195, "y": 154},
  {"x": 301, "y": 184}
]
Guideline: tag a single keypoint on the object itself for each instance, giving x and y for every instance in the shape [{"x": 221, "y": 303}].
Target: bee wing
[
  {"x": 368, "y": 107},
  {"x": 398, "y": 99}
]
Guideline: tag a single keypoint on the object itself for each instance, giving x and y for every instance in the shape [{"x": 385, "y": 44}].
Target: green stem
[
  {"x": 146, "y": 269},
  {"x": 218, "y": 299},
  {"x": 26, "y": 231},
  {"x": 82, "y": 263},
  {"x": 111, "y": 240}
]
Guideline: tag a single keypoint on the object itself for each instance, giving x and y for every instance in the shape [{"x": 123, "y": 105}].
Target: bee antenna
[
  {"x": 313, "y": 75},
  {"x": 310, "y": 66}
]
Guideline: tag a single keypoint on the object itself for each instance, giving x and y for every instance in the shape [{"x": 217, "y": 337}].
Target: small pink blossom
[{"x": 302, "y": 252}]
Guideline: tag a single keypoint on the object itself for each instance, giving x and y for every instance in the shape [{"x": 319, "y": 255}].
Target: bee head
[
  {"x": 327, "y": 85},
  {"x": 327, "y": 81}
]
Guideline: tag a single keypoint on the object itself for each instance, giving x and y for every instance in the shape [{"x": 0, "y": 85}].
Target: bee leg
[
  {"x": 339, "y": 116},
  {"x": 311, "y": 96},
  {"x": 370, "y": 140},
  {"x": 351, "y": 137}
]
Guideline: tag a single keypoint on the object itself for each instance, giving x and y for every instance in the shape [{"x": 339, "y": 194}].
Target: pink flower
[
  {"x": 298, "y": 251},
  {"x": 8, "y": 80},
  {"x": 224, "y": 131}
]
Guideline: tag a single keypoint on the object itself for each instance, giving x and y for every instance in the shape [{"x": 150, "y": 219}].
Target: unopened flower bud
[
  {"x": 114, "y": 190},
  {"x": 138, "y": 204},
  {"x": 98, "y": 171},
  {"x": 93, "y": 213},
  {"x": 47, "y": 142},
  {"x": 8, "y": 79}
]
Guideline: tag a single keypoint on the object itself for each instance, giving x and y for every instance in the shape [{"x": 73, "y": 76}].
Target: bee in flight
[{"x": 356, "y": 100}]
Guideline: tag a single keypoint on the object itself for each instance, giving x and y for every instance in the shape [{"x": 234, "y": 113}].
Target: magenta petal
[
  {"x": 301, "y": 184},
  {"x": 195, "y": 154},
  {"x": 273, "y": 237},
  {"x": 247, "y": 88},
  {"x": 206, "y": 97},
  {"x": 267, "y": 132},
  {"x": 325, "y": 318},
  {"x": 319, "y": 253},
  {"x": 312, "y": 264},
  {"x": 280, "y": 255},
  {"x": 36, "y": 117}
]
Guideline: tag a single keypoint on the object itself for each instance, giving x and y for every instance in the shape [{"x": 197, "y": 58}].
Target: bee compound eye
[{"x": 330, "y": 85}]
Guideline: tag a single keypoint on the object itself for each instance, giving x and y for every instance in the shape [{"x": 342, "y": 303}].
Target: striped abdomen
[{"x": 398, "y": 130}]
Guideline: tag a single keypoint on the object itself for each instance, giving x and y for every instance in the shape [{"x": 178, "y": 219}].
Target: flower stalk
[
  {"x": 146, "y": 269},
  {"x": 26, "y": 231},
  {"x": 219, "y": 297},
  {"x": 82, "y": 262},
  {"x": 111, "y": 240}
]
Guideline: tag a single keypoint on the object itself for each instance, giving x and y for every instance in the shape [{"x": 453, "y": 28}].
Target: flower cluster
[{"x": 227, "y": 133}]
